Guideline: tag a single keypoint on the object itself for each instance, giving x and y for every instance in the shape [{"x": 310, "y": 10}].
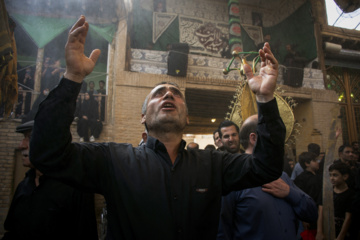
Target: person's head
[
  {"x": 91, "y": 85},
  {"x": 217, "y": 139},
  {"x": 229, "y": 134},
  {"x": 46, "y": 91},
  {"x": 291, "y": 163},
  {"x": 28, "y": 72},
  {"x": 248, "y": 133},
  {"x": 314, "y": 148},
  {"x": 87, "y": 96},
  {"x": 47, "y": 61},
  {"x": 345, "y": 153},
  {"x": 164, "y": 109},
  {"x": 25, "y": 129},
  {"x": 210, "y": 147},
  {"x": 355, "y": 145},
  {"x": 101, "y": 84},
  {"x": 267, "y": 38},
  {"x": 309, "y": 162},
  {"x": 192, "y": 146},
  {"x": 339, "y": 172}
]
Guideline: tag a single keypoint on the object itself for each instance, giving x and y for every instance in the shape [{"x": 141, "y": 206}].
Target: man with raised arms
[{"x": 158, "y": 190}]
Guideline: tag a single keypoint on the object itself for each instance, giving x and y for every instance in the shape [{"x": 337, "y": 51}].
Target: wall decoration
[
  {"x": 203, "y": 36},
  {"x": 161, "y": 21},
  {"x": 254, "y": 32}
]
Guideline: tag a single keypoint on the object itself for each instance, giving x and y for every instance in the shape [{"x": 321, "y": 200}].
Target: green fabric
[
  {"x": 248, "y": 45},
  {"x": 105, "y": 31},
  {"x": 142, "y": 30},
  {"x": 99, "y": 73},
  {"x": 297, "y": 30},
  {"x": 42, "y": 30}
]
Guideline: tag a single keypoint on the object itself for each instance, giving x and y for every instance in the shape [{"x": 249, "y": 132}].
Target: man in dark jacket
[
  {"x": 44, "y": 208},
  {"x": 158, "y": 190}
]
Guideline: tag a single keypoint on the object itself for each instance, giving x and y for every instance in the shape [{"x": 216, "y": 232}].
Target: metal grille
[
  {"x": 344, "y": 125},
  {"x": 334, "y": 81},
  {"x": 354, "y": 77},
  {"x": 357, "y": 121}
]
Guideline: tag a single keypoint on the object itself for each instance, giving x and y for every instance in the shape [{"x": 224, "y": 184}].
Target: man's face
[
  {"x": 346, "y": 154},
  {"x": 166, "y": 110},
  {"x": 24, "y": 147},
  {"x": 291, "y": 164},
  {"x": 217, "y": 140},
  {"x": 230, "y": 139},
  {"x": 314, "y": 165}
]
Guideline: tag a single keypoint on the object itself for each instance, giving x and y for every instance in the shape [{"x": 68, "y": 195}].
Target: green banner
[{"x": 42, "y": 30}]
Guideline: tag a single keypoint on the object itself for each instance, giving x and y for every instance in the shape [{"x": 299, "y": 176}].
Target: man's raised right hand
[{"x": 78, "y": 66}]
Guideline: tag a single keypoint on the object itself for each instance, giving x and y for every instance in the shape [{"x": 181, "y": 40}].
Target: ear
[
  {"x": 346, "y": 176},
  {"x": 187, "y": 120},
  {"x": 143, "y": 118},
  {"x": 144, "y": 136},
  {"x": 252, "y": 138}
]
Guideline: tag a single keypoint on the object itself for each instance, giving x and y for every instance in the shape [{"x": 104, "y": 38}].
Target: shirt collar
[{"x": 156, "y": 145}]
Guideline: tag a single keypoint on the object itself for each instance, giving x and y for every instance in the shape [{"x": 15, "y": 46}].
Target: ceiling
[{"x": 205, "y": 105}]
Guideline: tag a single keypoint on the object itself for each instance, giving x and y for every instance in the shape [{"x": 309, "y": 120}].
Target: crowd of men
[{"x": 160, "y": 190}]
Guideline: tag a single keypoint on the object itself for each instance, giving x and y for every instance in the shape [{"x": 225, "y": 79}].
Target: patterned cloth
[{"x": 8, "y": 62}]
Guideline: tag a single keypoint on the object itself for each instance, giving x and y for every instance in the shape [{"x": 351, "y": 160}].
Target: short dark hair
[
  {"x": 144, "y": 106},
  {"x": 245, "y": 131},
  {"x": 227, "y": 123},
  {"x": 314, "y": 148},
  {"x": 216, "y": 131},
  {"x": 210, "y": 147},
  {"x": 102, "y": 81},
  {"x": 343, "y": 168},
  {"x": 342, "y": 147},
  {"x": 306, "y": 157}
]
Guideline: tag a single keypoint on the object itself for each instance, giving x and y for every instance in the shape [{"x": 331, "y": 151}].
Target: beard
[{"x": 160, "y": 126}]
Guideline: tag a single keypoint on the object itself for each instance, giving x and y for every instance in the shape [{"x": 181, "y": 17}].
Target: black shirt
[
  {"x": 147, "y": 196},
  {"x": 310, "y": 184},
  {"x": 51, "y": 210}
]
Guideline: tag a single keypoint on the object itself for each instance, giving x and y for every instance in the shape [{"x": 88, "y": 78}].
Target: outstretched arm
[
  {"x": 268, "y": 154},
  {"x": 51, "y": 148},
  {"x": 264, "y": 84},
  {"x": 78, "y": 66}
]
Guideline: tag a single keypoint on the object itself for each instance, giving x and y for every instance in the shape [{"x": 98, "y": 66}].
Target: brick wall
[{"x": 9, "y": 140}]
